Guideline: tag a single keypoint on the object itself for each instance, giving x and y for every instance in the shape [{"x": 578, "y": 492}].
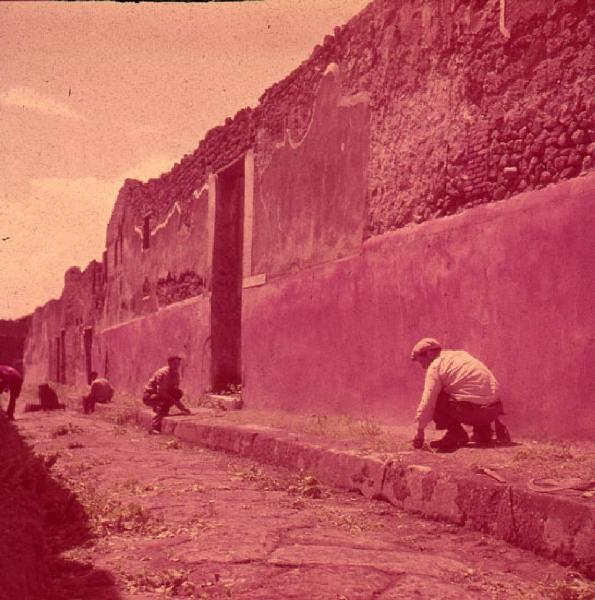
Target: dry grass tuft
[
  {"x": 67, "y": 429},
  {"x": 573, "y": 587}
]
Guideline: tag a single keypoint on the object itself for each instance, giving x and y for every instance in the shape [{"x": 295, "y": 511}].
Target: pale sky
[{"x": 92, "y": 93}]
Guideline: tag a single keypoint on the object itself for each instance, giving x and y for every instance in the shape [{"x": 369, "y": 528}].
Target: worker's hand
[
  {"x": 186, "y": 411},
  {"x": 418, "y": 440}
]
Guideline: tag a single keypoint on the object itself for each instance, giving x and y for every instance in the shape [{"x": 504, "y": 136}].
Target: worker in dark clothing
[
  {"x": 163, "y": 391},
  {"x": 12, "y": 381}
]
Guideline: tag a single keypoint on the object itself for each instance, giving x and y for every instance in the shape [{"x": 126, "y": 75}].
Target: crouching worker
[
  {"x": 163, "y": 391},
  {"x": 458, "y": 389},
  {"x": 48, "y": 400},
  {"x": 100, "y": 391},
  {"x": 12, "y": 382}
]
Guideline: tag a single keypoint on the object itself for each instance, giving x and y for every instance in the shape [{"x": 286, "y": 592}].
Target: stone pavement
[
  {"x": 484, "y": 488},
  {"x": 154, "y": 517}
]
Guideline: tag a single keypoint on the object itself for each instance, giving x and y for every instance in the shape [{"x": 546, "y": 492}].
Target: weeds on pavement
[
  {"x": 109, "y": 515},
  {"x": 352, "y": 522},
  {"x": 573, "y": 587},
  {"x": 554, "y": 460},
  {"x": 172, "y": 582},
  {"x": 67, "y": 429},
  {"x": 295, "y": 485}
]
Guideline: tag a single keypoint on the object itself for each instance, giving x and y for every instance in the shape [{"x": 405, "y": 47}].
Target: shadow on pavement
[{"x": 40, "y": 519}]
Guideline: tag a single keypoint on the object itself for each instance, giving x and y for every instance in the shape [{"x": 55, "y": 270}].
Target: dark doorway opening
[
  {"x": 147, "y": 232},
  {"x": 62, "y": 378},
  {"x": 226, "y": 299},
  {"x": 60, "y": 354},
  {"x": 58, "y": 360},
  {"x": 88, "y": 343}
]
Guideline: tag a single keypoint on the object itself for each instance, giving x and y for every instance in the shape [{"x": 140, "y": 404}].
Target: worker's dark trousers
[
  {"x": 450, "y": 414},
  {"x": 88, "y": 404},
  {"x": 15, "y": 390},
  {"x": 161, "y": 404}
]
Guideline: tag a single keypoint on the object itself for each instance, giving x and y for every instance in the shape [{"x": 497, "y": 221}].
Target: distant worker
[
  {"x": 12, "y": 382},
  {"x": 100, "y": 391},
  {"x": 458, "y": 389},
  {"x": 163, "y": 391},
  {"x": 48, "y": 400}
]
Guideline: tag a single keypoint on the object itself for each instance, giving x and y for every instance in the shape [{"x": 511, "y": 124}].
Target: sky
[{"x": 94, "y": 92}]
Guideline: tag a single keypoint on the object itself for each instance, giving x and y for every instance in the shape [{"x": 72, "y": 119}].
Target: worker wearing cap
[
  {"x": 458, "y": 389},
  {"x": 163, "y": 391}
]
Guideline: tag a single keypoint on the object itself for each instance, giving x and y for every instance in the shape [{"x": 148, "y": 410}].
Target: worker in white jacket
[{"x": 458, "y": 389}]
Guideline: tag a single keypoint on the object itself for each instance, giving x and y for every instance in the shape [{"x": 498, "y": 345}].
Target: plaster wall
[
  {"x": 130, "y": 352},
  {"x": 78, "y": 307},
  {"x": 310, "y": 198},
  {"x": 147, "y": 272},
  {"x": 37, "y": 353},
  {"x": 467, "y": 104},
  {"x": 511, "y": 283}
]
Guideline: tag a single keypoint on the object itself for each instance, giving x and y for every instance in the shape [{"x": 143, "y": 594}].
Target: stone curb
[{"x": 558, "y": 528}]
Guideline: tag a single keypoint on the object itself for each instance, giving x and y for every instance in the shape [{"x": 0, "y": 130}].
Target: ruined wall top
[
  {"x": 471, "y": 101},
  {"x": 465, "y": 95}
]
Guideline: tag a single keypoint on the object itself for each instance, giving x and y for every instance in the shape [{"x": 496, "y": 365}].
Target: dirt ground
[{"x": 142, "y": 517}]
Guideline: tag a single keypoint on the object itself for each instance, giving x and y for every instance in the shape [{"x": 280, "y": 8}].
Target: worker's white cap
[{"x": 424, "y": 345}]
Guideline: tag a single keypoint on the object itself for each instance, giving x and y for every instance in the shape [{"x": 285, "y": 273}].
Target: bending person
[
  {"x": 100, "y": 391},
  {"x": 458, "y": 389},
  {"x": 163, "y": 391},
  {"x": 12, "y": 381}
]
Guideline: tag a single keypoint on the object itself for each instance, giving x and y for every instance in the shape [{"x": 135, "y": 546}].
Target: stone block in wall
[{"x": 173, "y": 288}]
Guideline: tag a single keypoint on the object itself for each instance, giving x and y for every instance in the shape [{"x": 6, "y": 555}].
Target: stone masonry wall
[{"x": 471, "y": 102}]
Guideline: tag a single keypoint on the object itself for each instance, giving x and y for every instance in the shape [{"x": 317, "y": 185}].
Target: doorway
[
  {"x": 88, "y": 343},
  {"x": 60, "y": 353},
  {"x": 226, "y": 299}
]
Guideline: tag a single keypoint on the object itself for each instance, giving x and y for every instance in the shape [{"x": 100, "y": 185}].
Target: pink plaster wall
[
  {"x": 459, "y": 115},
  {"x": 78, "y": 306},
  {"x": 135, "y": 349},
  {"x": 138, "y": 277},
  {"x": 310, "y": 198},
  {"x": 511, "y": 283}
]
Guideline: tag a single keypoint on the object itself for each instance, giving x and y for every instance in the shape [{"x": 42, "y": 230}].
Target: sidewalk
[{"x": 378, "y": 462}]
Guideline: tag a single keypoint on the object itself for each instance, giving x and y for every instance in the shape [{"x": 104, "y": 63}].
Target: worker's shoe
[
  {"x": 154, "y": 431},
  {"x": 482, "y": 434},
  {"x": 454, "y": 438}
]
